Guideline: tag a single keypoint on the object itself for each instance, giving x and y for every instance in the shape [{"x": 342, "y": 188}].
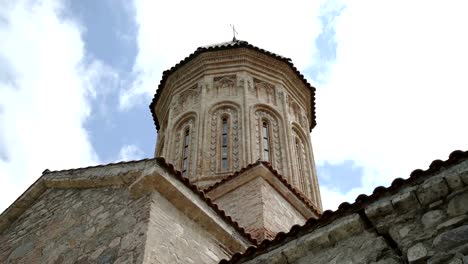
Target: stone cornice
[
  {"x": 223, "y": 47},
  {"x": 234, "y": 61}
]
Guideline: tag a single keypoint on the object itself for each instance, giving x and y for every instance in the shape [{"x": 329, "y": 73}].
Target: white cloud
[
  {"x": 395, "y": 98},
  {"x": 43, "y": 95},
  {"x": 171, "y": 30},
  {"x": 130, "y": 152}
]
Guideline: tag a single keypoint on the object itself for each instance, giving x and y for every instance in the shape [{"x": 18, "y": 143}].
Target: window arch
[
  {"x": 305, "y": 175},
  {"x": 183, "y": 144},
  {"x": 225, "y": 137},
  {"x": 268, "y": 136},
  {"x": 300, "y": 165}
]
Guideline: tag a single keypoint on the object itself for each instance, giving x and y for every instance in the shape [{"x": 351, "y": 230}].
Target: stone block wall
[
  {"x": 99, "y": 225},
  {"x": 423, "y": 222}
]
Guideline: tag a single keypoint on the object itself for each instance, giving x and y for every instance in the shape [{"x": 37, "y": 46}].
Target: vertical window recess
[
  {"x": 265, "y": 144},
  {"x": 185, "y": 152},
  {"x": 300, "y": 164},
  {"x": 224, "y": 145}
]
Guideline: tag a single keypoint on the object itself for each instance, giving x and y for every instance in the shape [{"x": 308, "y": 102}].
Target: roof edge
[
  {"x": 224, "y": 46},
  {"x": 65, "y": 179},
  {"x": 283, "y": 180},
  {"x": 345, "y": 208}
]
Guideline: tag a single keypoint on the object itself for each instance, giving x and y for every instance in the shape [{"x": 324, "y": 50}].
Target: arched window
[
  {"x": 224, "y": 144},
  {"x": 266, "y": 141},
  {"x": 185, "y": 152},
  {"x": 300, "y": 164}
]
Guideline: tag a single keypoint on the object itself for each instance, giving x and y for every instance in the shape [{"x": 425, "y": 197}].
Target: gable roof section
[
  {"x": 297, "y": 193},
  {"x": 344, "y": 209},
  {"x": 112, "y": 174},
  {"x": 224, "y": 46}
]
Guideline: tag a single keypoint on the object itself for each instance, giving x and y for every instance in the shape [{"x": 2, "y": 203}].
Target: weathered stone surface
[
  {"x": 452, "y": 238},
  {"x": 405, "y": 202},
  {"x": 379, "y": 208},
  {"x": 453, "y": 222},
  {"x": 432, "y": 218},
  {"x": 456, "y": 261},
  {"x": 386, "y": 261},
  {"x": 416, "y": 253},
  {"x": 432, "y": 190},
  {"x": 458, "y": 204},
  {"x": 454, "y": 181},
  {"x": 440, "y": 258},
  {"x": 64, "y": 232},
  {"x": 464, "y": 177},
  {"x": 402, "y": 233}
]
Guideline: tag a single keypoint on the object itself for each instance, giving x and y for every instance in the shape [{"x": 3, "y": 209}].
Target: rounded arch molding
[
  {"x": 261, "y": 113},
  {"x": 186, "y": 122},
  {"x": 303, "y": 153},
  {"x": 216, "y": 112}
]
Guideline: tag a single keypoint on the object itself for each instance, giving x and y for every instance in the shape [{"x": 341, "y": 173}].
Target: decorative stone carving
[
  {"x": 189, "y": 96},
  {"x": 225, "y": 85},
  {"x": 296, "y": 113},
  {"x": 185, "y": 99},
  {"x": 215, "y": 126},
  {"x": 176, "y": 106},
  {"x": 265, "y": 91}
]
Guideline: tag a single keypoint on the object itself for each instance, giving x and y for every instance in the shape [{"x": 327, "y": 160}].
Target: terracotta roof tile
[
  {"x": 345, "y": 208},
  {"x": 223, "y": 46}
]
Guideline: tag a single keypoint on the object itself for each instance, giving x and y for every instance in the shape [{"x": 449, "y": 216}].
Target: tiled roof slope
[
  {"x": 224, "y": 46},
  {"x": 346, "y": 209},
  {"x": 301, "y": 196},
  {"x": 8, "y": 213}
]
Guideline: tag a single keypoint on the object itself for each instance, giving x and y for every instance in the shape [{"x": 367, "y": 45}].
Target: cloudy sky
[{"x": 76, "y": 79}]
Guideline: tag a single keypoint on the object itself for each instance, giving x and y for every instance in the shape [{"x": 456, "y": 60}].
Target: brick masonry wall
[
  {"x": 174, "y": 238},
  {"x": 260, "y": 209},
  {"x": 280, "y": 215},
  {"x": 100, "y": 225},
  {"x": 244, "y": 205},
  {"x": 423, "y": 223}
]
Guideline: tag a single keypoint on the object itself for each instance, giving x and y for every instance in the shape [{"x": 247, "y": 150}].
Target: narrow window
[
  {"x": 300, "y": 165},
  {"x": 265, "y": 144},
  {"x": 185, "y": 152},
  {"x": 224, "y": 145}
]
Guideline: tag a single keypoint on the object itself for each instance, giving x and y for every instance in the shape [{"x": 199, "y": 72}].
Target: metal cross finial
[{"x": 234, "y": 33}]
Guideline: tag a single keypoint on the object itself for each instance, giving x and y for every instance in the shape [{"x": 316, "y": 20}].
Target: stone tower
[{"x": 230, "y": 105}]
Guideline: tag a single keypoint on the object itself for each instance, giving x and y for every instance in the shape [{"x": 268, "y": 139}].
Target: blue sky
[{"x": 76, "y": 79}]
